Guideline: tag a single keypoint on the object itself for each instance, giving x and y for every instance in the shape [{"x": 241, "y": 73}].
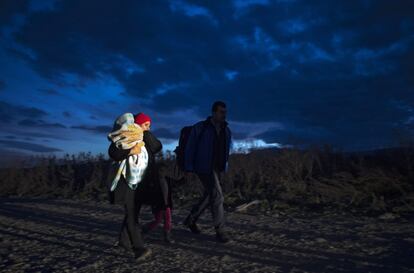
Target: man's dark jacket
[{"x": 205, "y": 149}]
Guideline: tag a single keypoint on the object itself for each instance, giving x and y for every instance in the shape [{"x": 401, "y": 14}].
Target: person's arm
[
  {"x": 116, "y": 153},
  {"x": 151, "y": 142}
]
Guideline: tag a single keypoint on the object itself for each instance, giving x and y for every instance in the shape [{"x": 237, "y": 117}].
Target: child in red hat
[{"x": 158, "y": 195}]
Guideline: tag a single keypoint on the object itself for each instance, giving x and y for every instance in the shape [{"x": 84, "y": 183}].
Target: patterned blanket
[{"x": 126, "y": 134}]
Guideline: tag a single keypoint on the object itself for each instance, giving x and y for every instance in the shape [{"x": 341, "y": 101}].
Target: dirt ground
[{"x": 57, "y": 235}]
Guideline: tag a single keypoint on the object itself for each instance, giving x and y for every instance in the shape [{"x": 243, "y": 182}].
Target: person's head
[
  {"x": 218, "y": 111},
  {"x": 143, "y": 120}
]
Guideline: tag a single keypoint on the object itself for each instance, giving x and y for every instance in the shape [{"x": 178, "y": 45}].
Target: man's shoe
[
  {"x": 167, "y": 237},
  {"x": 142, "y": 253},
  {"x": 221, "y": 236},
  {"x": 190, "y": 223}
]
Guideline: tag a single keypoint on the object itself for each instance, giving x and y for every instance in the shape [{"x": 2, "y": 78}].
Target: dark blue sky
[{"x": 291, "y": 72}]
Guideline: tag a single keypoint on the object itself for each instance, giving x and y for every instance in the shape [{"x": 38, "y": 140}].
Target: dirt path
[{"x": 43, "y": 235}]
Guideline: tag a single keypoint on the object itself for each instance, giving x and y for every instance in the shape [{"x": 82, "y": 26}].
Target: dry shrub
[{"x": 318, "y": 177}]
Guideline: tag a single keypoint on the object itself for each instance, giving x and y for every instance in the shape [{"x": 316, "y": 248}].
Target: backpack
[{"x": 182, "y": 142}]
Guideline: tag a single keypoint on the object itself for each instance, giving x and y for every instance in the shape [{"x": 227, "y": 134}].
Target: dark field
[
  {"x": 314, "y": 211},
  {"x": 39, "y": 235}
]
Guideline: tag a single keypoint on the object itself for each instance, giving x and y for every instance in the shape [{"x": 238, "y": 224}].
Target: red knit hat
[{"x": 141, "y": 118}]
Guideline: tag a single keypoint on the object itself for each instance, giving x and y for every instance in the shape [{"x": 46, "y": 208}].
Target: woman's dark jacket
[{"x": 148, "y": 190}]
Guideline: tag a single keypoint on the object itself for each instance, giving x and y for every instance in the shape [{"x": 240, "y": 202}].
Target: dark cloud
[
  {"x": 102, "y": 129},
  {"x": 66, "y": 114},
  {"x": 10, "y": 112},
  {"x": 165, "y": 133},
  {"x": 28, "y": 146},
  {"x": 240, "y": 135},
  {"x": 40, "y": 123},
  {"x": 48, "y": 91},
  {"x": 2, "y": 85},
  {"x": 9, "y": 8},
  {"x": 337, "y": 72},
  {"x": 44, "y": 135}
]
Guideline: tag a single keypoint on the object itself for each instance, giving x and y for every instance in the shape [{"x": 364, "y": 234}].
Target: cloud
[
  {"x": 28, "y": 146},
  {"x": 101, "y": 129},
  {"x": 48, "y": 91},
  {"x": 10, "y": 112},
  {"x": 323, "y": 71},
  {"x": 40, "y": 123},
  {"x": 2, "y": 85},
  {"x": 66, "y": 114},
  {"x": 10, "y": 8},
  {"x": 190, "y": 9},
  {"x": 41, "y": 135},
  {"x": 165, "y": 133},
  {"x": 240, "y": 4}
]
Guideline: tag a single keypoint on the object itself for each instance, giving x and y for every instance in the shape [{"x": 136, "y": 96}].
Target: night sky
[{"x": 291, "y": 72}]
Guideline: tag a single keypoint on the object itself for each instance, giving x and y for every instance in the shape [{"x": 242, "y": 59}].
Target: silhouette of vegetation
[{"x": 377, "y": 181}]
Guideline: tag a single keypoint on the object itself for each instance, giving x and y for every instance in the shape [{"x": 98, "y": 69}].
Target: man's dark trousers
[{"x": 212, "y": 197}]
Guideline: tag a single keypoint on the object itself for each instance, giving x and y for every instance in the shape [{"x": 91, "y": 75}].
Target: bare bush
[{"x": 377, "y": 181}]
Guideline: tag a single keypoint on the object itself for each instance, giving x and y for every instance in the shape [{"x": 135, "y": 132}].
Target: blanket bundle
[{"x": 126, "y": 134}]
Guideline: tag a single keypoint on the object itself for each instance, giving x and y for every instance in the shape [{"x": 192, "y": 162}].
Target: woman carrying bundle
[
  {"x": 154, "y": 188},
  {"x": 131, "y": 150}
]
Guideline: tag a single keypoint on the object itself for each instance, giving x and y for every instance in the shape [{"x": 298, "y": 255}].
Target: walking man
[{"x": 206, "y": 154}]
